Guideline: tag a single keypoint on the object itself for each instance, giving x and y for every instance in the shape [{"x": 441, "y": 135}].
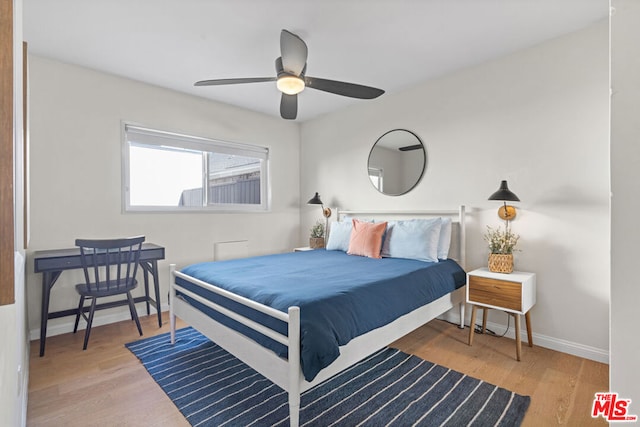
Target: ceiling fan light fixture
[{"x": 291, "y": 85}]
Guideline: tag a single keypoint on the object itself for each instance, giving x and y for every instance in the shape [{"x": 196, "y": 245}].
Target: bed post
[
  {"x": 294, "y": 366},
  {"x": 463, "y": 255},
  {"x": 463, "y": 237},
  {"x": 172, "y": 295}
]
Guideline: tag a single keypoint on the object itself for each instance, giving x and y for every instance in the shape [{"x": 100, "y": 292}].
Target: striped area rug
[{"x": 389, "y": 388}]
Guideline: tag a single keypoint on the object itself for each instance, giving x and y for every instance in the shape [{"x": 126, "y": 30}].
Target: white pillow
[
  {"x": 445, "y": 238},
  {"x": 339, "y": 235},
  {"x": 413, "y": 239}
]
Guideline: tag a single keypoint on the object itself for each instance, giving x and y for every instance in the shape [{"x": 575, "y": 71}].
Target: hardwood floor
[
  {"x": 561, "y": 386},
  {"x": 106, "y": 385}
]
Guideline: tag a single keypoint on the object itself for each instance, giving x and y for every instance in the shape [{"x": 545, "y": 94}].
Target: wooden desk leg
[
  {"x": 472, "y": 325},
  {"x": 44, "y": 310},
  {"x": 152, "y": 267},
  {"x": 527, "y": 317},
  {"x": 145, "y": 273},
  {"x": 48, "y": 280},
  {"x": 156, "y": 290},
  {"x": 518, "y": 342},
  {"x": 485, "y": 311}
]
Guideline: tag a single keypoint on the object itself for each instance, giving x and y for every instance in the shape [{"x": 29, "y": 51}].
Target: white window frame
[
  {"x": 153, "y": 137},
  {"x": 376, "y": 176}
]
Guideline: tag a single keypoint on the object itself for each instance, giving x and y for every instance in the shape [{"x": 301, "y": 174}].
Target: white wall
[
  {"x": 625, "y": 203},
  {"x": 76, "y": 116},
  {"x": 9, "y": 409},
  {"x": 538, "y": 118}
]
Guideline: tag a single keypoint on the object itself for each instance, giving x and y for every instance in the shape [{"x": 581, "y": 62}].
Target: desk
[{"x": 51, "y": 263}]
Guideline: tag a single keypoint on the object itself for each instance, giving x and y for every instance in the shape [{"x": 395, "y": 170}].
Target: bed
[{"x": 322, "y": 300}]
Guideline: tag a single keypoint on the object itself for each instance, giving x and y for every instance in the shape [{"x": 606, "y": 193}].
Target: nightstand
[{"x": 514, "y": 293}]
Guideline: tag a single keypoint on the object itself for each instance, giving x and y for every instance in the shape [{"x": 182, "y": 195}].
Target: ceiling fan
[{"x": 291, "y": 78}]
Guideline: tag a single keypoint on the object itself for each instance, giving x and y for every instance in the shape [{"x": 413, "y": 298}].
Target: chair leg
[
  {"x": 89, "y": 322},
  {"x": 80, "y": 307},
  {"x": 132, "y": 307}
]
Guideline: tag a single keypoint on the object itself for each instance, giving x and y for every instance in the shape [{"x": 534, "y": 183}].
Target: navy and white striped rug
[{"x": 213, "y": 388}]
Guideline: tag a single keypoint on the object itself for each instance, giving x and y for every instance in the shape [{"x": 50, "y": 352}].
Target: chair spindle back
[{"x": 106, "y": 255}]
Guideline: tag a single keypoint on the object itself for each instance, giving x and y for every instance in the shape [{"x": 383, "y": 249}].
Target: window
[
  {"x": 165, "y": 171},
  {"x": 376, "y": 176}
]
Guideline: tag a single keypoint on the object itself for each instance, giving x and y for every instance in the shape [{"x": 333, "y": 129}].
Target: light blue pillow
[
  {"x": 413, "y": 239},
  {"x": 339, "y": 235},
  {"x": 445, "y": 239}
]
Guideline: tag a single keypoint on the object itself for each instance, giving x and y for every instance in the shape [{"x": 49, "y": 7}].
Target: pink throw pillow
[{"x": 366, "y": 238}]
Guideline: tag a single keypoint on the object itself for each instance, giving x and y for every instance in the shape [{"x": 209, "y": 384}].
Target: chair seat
[{"x": 105, "y": 289}]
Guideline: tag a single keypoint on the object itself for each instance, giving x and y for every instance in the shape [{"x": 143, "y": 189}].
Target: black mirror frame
[{"x": 424, "y": 163}]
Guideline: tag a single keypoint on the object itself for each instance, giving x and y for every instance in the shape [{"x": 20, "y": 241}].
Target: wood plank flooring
[
  {"x": 561, "y": 386},
  {"x": 106, "y": 385}
]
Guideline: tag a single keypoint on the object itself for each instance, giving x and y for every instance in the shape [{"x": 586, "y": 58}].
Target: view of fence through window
[
  {"x": 170, "y": 171},
  {"x": 231, "y": 179}
]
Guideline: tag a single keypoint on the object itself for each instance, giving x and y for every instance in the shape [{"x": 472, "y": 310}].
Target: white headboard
[{"x": 457, "y": 249}]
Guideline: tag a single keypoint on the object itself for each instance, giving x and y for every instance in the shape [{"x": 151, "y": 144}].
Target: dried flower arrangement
[{"x": 501, "y": 241}]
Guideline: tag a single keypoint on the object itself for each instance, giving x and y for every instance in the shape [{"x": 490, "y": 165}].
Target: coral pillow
[{"x": 366, "y": 238}]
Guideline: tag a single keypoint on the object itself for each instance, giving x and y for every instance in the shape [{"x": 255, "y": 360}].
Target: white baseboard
[
  {"x": 100, "y": 318},
  {"x": 557, "y": 344}
]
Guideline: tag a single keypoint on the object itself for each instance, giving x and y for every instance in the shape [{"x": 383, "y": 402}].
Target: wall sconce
[
  {"x": 315, "y": 200},
  {"x": 326, "y": 212},
  {"x": 506, "y": 212}
]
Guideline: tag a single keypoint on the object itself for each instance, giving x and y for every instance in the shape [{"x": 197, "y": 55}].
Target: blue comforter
[{"x": 340, "y": 296}]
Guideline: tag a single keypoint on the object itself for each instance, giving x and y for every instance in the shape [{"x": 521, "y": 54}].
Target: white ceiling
[{"x": 390, "y": 44}]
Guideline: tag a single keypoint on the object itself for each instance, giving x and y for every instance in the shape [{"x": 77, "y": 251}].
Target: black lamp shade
[
  {"x": 503, "y": 194},
  {"x": 315, "y": 200}
]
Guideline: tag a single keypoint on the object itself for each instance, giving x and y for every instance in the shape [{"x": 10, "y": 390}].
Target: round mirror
[{"x": 397, "y": 162}]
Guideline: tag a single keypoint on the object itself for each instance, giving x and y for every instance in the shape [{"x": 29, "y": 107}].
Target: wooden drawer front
[{"x": 499, "y": 293}]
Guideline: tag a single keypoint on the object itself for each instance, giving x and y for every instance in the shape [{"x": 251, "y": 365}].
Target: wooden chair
[{"x": 110, "y": 267}]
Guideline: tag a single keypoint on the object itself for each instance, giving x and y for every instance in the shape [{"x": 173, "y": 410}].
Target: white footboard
[
  {"x": 287, "y": 374},
  {"x": 237, "y": 342}
]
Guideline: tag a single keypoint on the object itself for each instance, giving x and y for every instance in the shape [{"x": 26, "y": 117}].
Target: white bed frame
[{"x": 287, "y": 373}]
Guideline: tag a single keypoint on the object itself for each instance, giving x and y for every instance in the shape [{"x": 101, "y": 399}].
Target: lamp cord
[{"x": 478, "y": 328}]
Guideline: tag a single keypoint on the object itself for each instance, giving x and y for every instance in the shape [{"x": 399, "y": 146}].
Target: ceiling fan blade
[
  {"x": 351, "y": 90},
  {"x": 411, "y": 147},
  {"x": 293, "y": 51},
  {"x": 218, "y": 82},
  {"x": 289, "y": 106}
]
